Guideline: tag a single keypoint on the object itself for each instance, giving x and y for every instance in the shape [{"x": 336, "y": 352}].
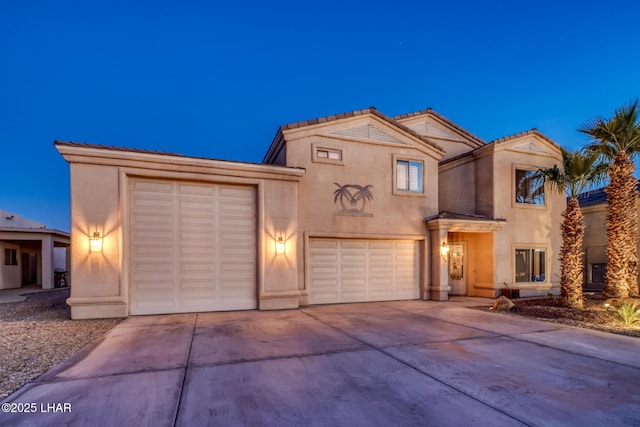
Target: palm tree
[
  {"x": 617, "y": 139},
  {"x": 580, "y": 170}
]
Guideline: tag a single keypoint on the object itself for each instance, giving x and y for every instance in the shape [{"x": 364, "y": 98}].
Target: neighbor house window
[
  {"x": 529, "y": 190},
  {"x": 10, "y": 257},
  {"x": 409, "y": 175},
  {"x": 531, "y": 265}
]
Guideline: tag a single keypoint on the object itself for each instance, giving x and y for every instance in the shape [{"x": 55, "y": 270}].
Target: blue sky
[{"x": 216, "y": 79}]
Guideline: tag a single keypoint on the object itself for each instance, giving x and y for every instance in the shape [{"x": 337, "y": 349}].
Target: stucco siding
[{"x": 455, "y": 181}]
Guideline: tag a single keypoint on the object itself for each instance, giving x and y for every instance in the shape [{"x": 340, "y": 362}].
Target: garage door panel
[
  {"x": 144, "y": 285},
  {"x": 196, "y": 189},
  {"x": 192, "y": 246},
  {"x": 350, "y": 270}
]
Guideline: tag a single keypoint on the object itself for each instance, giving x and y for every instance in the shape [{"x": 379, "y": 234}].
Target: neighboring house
[
  {"x": 352, "y": 207},
  {"x": 593, "y": 205},
  {"x": 30, "y": 252}
]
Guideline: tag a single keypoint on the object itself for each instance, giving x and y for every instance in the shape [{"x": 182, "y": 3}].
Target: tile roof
[
  {"x": 592, "y": 197},
  {"x": 596, "y": 197},
  {"x": 532, "y": 131},
  {"x": 370, "y": 110},
  {"x": 115, "y": 148},
  {"x": 431, "y": 112},
  {"x": 137, "y": 150}
]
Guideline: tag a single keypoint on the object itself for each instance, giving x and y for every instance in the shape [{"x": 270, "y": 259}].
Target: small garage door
[
  {"x": 350, "y": 270},
  {"x": 192, "y": 247}
]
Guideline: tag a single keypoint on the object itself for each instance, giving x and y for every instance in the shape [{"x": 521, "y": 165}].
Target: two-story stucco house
[{"x": 347, "y": 208}]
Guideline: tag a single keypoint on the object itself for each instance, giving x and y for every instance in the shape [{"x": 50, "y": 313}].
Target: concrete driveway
[{"x": 417, "y": 363}]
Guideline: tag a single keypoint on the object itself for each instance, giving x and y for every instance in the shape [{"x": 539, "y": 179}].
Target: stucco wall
[
  {"x": 526, "y": 225},
  {"x": 457, "y": 187},
  {"x": 484, "y": 190},
  {"x": 364, "y": 164}
]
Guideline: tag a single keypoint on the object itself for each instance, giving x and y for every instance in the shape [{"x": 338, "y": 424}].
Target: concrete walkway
[{"x": 413, "y": 363}]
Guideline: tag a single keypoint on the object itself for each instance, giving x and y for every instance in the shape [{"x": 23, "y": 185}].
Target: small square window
[
  {"x": 529, "y": 189},
  {"x": 409, "y": 175}
]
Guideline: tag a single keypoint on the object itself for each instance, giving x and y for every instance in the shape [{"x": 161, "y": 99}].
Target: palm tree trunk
[
  {"x": 571, "y": 278},
  {"x": 622, "y": 230}
]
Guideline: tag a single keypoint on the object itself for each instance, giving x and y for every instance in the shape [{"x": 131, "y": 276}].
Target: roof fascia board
[{"x": 115, "y": 157}]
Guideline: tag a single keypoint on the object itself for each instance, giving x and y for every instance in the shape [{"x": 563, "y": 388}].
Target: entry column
[{"x": 439, "y": 288}]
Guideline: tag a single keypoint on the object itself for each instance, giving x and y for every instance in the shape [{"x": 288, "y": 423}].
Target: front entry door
[{"x": 457, "y": 268}]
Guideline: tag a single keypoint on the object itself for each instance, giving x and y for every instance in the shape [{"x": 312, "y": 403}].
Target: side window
[
  {"x": 409, "y": 175},
  {"x": 531, "y": 265},
  {"x": 528, "y": 190},
  {"x": 10, "y": 257}
]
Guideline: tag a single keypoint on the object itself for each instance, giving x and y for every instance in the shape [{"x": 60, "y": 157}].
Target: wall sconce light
[
  {"x": 280, "y": 245},
  {"x": 95, "y": 242},
  {"x": 444, "y": 250}
]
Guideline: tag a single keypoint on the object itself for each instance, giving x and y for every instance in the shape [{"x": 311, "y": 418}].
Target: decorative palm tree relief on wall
[{"x": 353, "y": 198}]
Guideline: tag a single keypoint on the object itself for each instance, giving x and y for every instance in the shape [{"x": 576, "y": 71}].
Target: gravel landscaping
[
  {"x": 594, "y": 316},
  {"x": 38, "y": 333}
]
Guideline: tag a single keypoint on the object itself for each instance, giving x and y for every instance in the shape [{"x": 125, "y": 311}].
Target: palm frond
[{"x": 621, "y": 132}]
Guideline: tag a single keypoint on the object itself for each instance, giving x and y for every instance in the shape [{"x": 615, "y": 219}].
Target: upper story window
[
  {"x": 327, "y": 155},
  {"x": 409, "y": 175},
  {"x": 529, "y": 190}
]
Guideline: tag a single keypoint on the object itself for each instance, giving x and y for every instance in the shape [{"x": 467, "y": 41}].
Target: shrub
[{"x": 629, "y": 313}]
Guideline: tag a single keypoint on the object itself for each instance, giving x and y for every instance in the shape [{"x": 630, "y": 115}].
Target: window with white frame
[
  {"x": 409, "y": 175},
  {"x": 529, "y": 189},
  {"x": 531, "y": 265}
]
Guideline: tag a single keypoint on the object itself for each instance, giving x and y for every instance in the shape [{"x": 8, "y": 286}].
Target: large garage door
[
  {"x": 350, "y": 270},
  {"x": 192, "y": 247}
]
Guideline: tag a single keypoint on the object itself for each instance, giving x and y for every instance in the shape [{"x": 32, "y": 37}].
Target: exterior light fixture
[
  {"x": 95, "y": 242},
  {"x": 444, "y": 250},
  {"x": 280, "y": 245}
]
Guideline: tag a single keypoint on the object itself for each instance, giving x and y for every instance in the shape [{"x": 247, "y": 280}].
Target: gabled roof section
[
  {"x": 367, "y": 132},
  {"x": 357, "y": 132},
  {"x": 533, "y": 131},
  {"x": 429, "y": 112}
]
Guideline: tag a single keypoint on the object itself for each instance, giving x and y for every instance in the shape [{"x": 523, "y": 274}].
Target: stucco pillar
[
  {"x": 439, "y": 288},
  {"x": 47, "y": 262}
]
